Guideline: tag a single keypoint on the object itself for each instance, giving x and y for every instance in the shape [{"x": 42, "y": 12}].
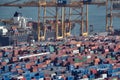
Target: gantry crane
[
  {"x": 111, "y": 6},
  {"x": 74, "y": 11}
]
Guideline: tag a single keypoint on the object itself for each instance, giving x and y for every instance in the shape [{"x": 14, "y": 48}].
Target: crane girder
[
  {"x": 49, "y": 4},
  {"x": 11, "y": 2}
]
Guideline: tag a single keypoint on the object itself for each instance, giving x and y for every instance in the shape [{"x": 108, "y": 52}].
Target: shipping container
[
  {"x": 70, "y": 78},
  {"x": 47, "y": 78}
]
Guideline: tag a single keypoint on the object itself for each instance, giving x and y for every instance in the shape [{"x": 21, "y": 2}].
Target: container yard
[
  {"x": 46, "y": 49},
  {"x": 88, "y": 58}
]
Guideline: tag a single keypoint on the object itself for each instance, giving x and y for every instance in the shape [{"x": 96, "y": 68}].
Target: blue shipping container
[{"x": 70, "y": 78}]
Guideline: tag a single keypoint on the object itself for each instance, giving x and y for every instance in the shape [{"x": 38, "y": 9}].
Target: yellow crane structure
[{"x": 75, "y": 11}]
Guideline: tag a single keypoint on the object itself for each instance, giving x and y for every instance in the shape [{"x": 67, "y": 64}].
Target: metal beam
[
  {"x": 39, "y": 29},
  {"x": 11, "y": 2}
]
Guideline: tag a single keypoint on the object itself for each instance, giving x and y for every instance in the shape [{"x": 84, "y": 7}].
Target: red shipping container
[
  {"x": 116, "y": 49},
  {"x": 4, "y": 63},
  {"x": 14, "y": 59},
  {"x": 18, "y": 67},
  {"x": 32, "y": 63},
  {"x": 106, "y": 50},
  {"x": 47, "y": 75},
  {"x": 44, "y": 65},
  {"x": 33, "y": 79},
  {"x": 48, "y": 61},
  {"x": 20, "y": 71},
  {"x": 40, "y": 65},
  {"x": 47, "y": 78},
  {"x": 28, "y": 66},
  {"x": 15, "y": 52},
  {"x": 1, "y": 54},
  {"x": 118, "y": 65},
  {"x": 34, "y": 68},
  {"x": 23, "y": 78}
]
